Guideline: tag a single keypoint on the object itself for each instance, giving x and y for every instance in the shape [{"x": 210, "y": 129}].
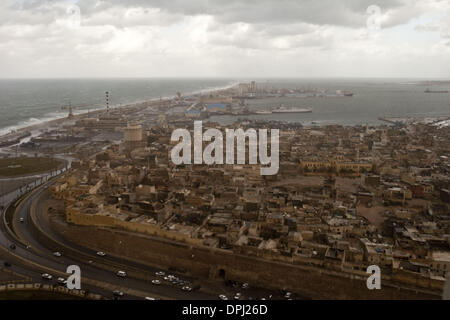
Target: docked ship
[
  {"x": 341, "y": 93},
  {"x": 283, "y": 109},
  {"x": 436, "y": 91}
]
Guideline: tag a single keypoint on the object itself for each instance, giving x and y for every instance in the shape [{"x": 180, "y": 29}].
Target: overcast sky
[{"x": 225, "y": 38}]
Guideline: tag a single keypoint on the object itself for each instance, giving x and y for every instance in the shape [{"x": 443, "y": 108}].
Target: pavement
[{"x": 98, "y": 274}]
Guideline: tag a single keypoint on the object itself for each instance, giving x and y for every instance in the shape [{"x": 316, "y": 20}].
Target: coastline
[
  {"x": 17, "y": 133},
  {"x": 58, "y": 121}
]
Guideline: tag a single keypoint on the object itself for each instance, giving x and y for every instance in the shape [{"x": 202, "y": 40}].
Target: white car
[
  {"x": 21, "y": 220},
  {"x": 122, "y": 274},
  {"x": 186, "y": 288},
  {"x": 237, "y": 296},
  {"x": 160, "y": 273},
  {"x": 61, "y": 280},
  {"x": 288, "y": 295},
  {"x": 46, "y": 276},
  {"x": 149, "y": 298},
  {"x": 156, "y": 282},
  {"x": 118, "y": 293},
  {"x": 223, "y": 297},
  {"x": 101, "y": 254},
  {"x": 57, "y": 254},
  {"x": 245, "y": 286}
]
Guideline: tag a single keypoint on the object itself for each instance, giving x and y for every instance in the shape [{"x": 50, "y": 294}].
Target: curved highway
[
  {"x": 98, "y": 274},
  {"x": 42, "y": 258}
]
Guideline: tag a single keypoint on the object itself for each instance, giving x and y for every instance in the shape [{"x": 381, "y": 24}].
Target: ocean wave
[{"x": 31, "y": 122}]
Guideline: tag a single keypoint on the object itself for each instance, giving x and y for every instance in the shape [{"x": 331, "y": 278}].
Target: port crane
[{"x": 70, "y": 108}]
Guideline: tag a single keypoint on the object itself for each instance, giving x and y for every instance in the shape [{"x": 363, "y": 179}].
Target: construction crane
[{"x": 70, "y": 108}]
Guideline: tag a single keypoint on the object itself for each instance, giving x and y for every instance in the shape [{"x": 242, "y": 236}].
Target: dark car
[
  {"x": 12, "y": 246},
  {"x": 7, "y": 264}
]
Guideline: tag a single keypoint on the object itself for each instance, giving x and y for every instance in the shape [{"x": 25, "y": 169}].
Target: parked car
[
  {"x": 149, "y": 298},
  {"x": 101, "y": 254},
  {"x": 46, "y": 276},
  {"x": 7, "y": 264},
  {"x": 223, "y": 297},
  {"x": 186, "y": 288},
  {"x": 122, "y": 274},
  {"x": 21, "y": 220},
  {"x": 12, "y": 246},
  {"x": 160, "y": 273},
  {"x": 57, "y": 254},
  {"x": 156, "y": 282},
  {"x": 61, "y": 280}
]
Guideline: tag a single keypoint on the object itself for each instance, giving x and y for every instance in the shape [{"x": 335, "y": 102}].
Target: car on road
[
  {"x": 156, "y": 282},
  {"x": 186, "y": 288},
  {"x": 101, "y": 254},
  {"x": 57, "y": 254},
  {"x": 118, "y": 293},
  {"x": 170, "y": 278},
  {"x": 160, "y": 273},
  {"x": 223, "y": 297},
  {"x": 122, "y": 274},
  {"x": 21, "y": 220},
  {"x": 149, "y": 298},
  {"x": 12, "y": 246},
  {"x": 245, "y": 285},
  {"x": 288, "y": 295},
  {"x": 7, "y": 264},
  {"x": 61, "y": 280},
  {"x": 237, "y": 296},
  {"x": 46, "y": 276}
]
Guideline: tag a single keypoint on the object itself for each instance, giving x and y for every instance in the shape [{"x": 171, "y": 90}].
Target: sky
[{"x": 225, "y": 38}]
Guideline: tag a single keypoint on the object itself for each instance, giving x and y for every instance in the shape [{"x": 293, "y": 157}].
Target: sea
[{"x": 25, "y": 102}]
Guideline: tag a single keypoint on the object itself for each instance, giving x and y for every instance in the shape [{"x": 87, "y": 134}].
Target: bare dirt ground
[
  {"x": 373, "y": 214},
  {"x": 347, "y": 184},
  {"x": 299, "y": 181},
  {"x": 342, "y": 184}
]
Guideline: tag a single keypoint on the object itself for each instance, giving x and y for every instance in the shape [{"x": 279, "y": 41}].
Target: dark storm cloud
[
  {"x": 277, "y": 14},
  {"x": 200, "y": 37},
  {"x": 350, "y": 13}
]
